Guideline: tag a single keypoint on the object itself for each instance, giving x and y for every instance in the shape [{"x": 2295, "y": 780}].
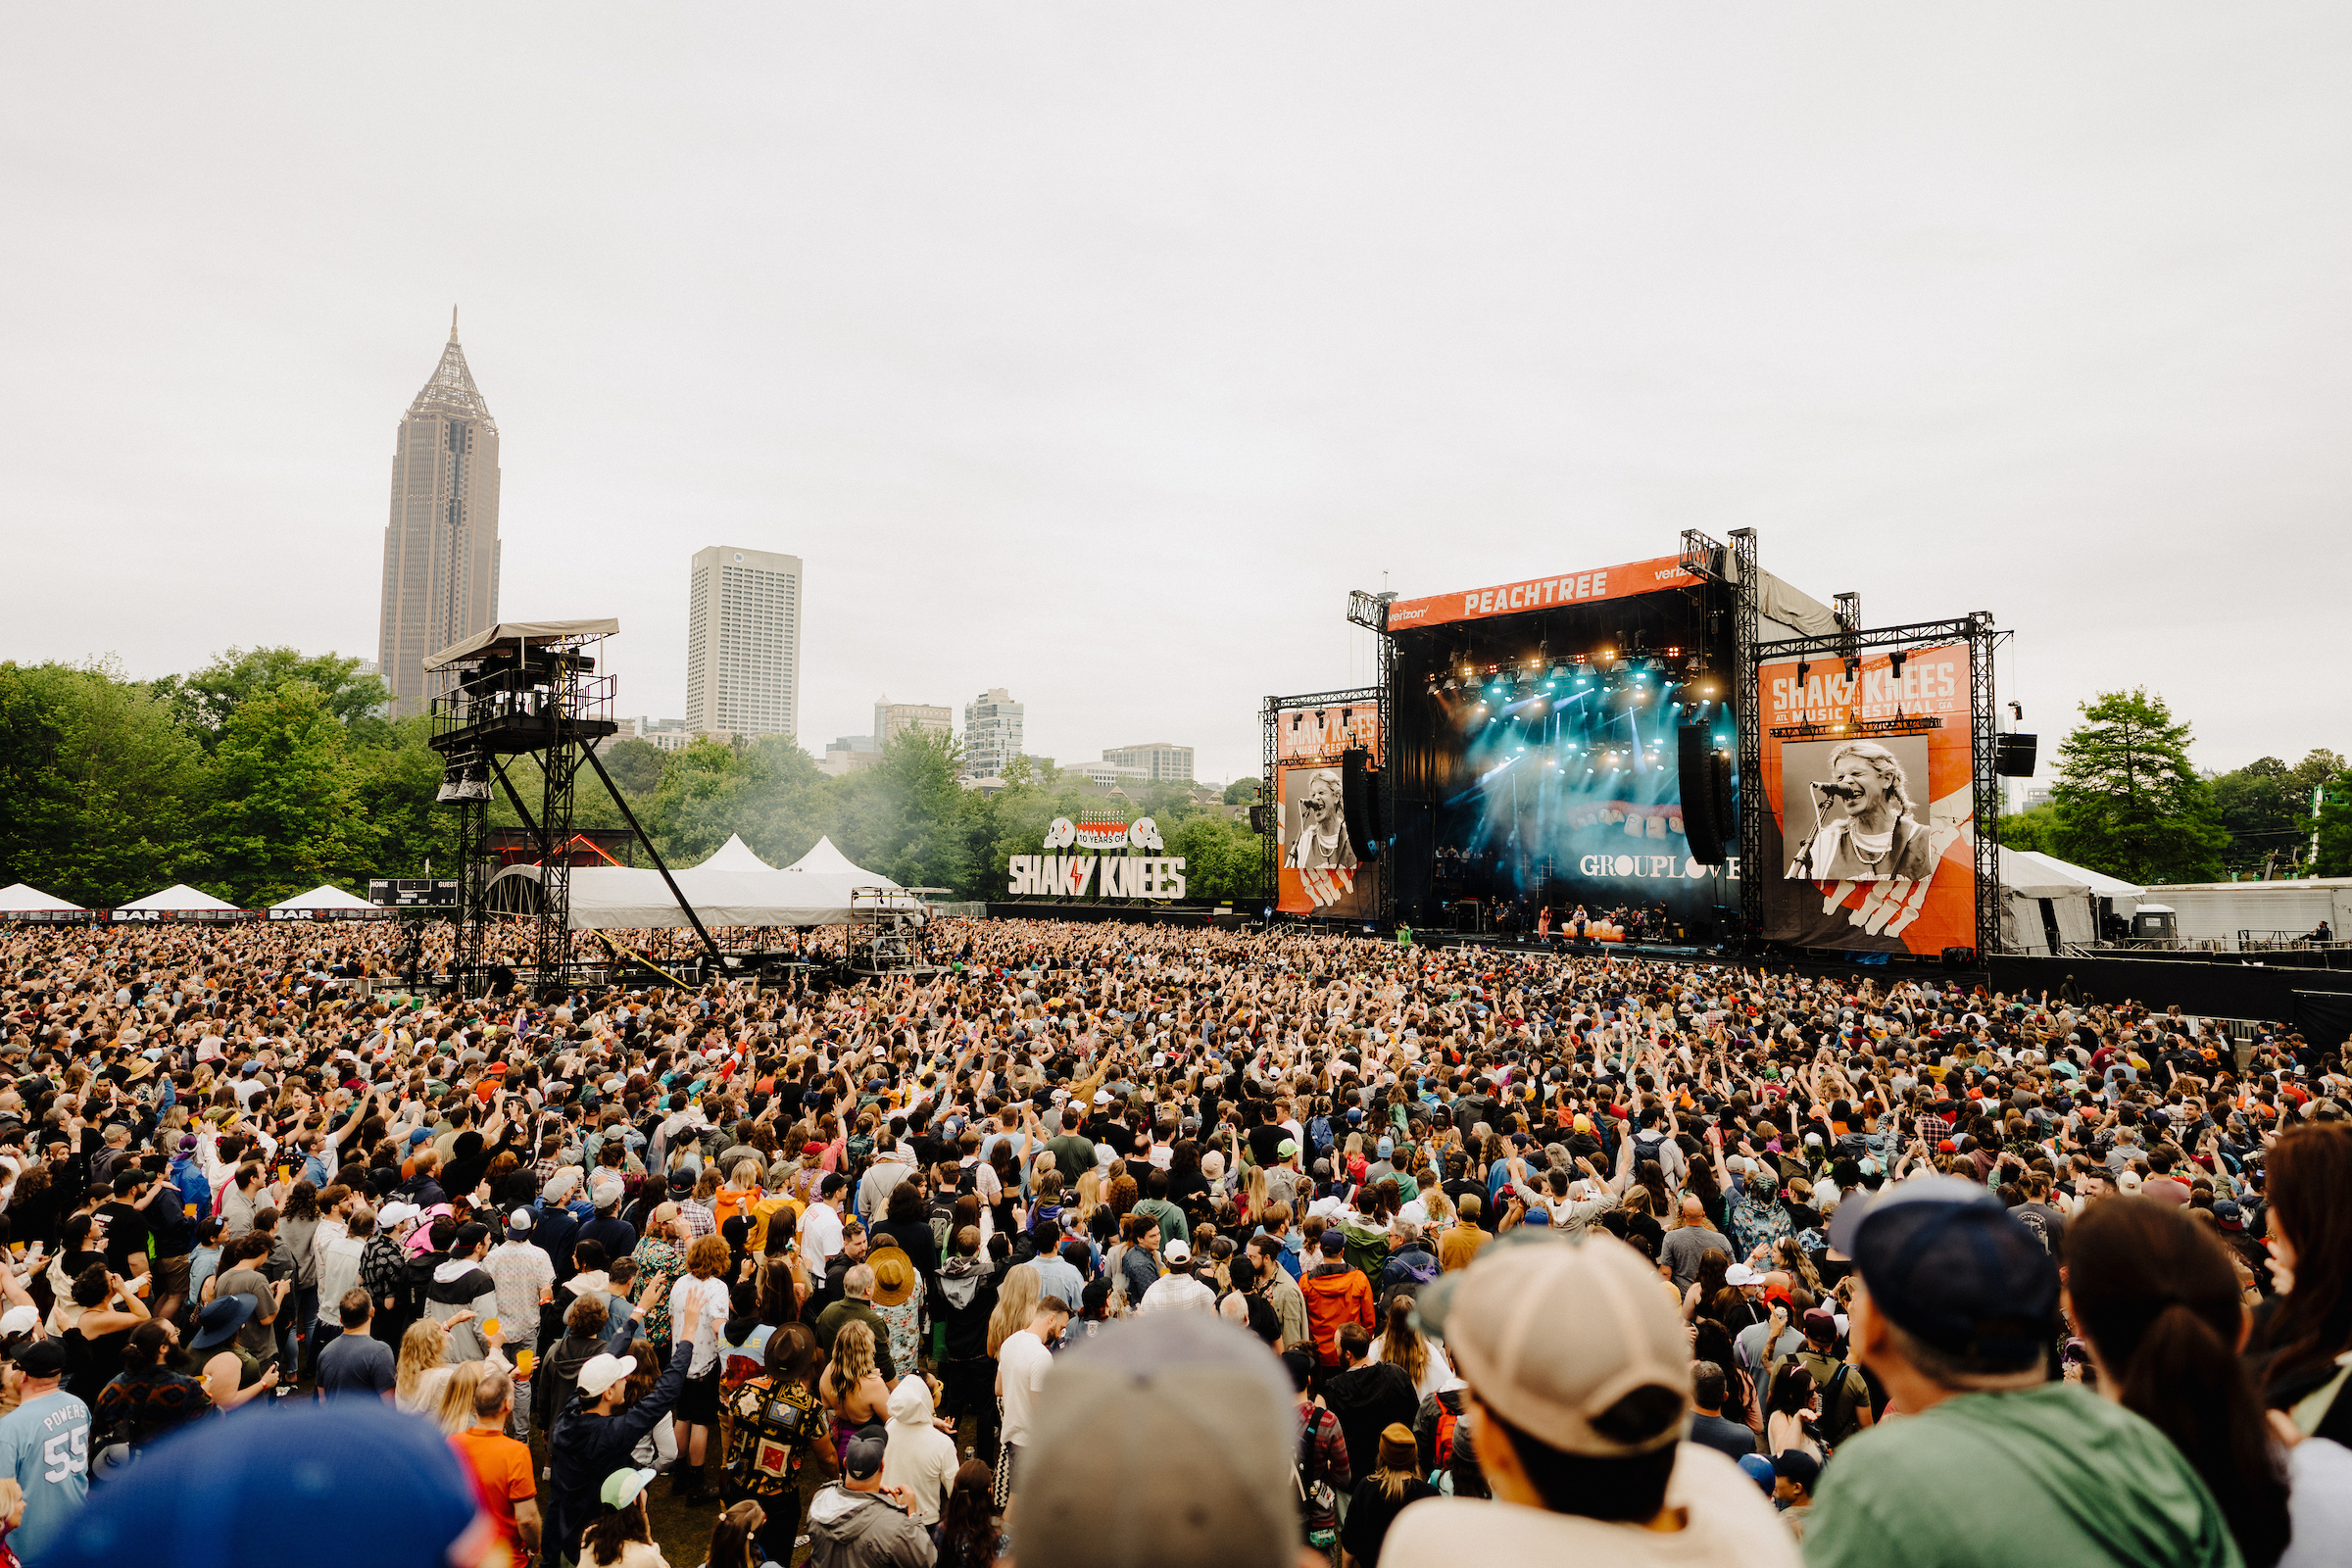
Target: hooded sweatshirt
[
  {"x": 919, "y": 1457},
  {"x": 459, "y": 1284},
  {"x": 967, "y": 1294},
  {"x": 2080, "y": 1481},
  {"x": 862, "y": 1530},
  {"x": 1336, "y": 1296}
]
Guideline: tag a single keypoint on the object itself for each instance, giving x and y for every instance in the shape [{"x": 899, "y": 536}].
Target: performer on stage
[{"x": 1866, "y": 832}]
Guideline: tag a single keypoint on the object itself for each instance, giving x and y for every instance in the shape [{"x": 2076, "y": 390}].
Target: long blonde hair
[
  {"x": 423, "y": 1349},
  {"x": 1016, "y": 1305},
  {"x": 853, "y": 1357},
  {"x": 1402, "y": 1345},
  {"x": 456, "y": 1410}
]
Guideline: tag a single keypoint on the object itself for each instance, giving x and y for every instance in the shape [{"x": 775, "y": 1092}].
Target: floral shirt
[{"x": 660, "y": 1262}]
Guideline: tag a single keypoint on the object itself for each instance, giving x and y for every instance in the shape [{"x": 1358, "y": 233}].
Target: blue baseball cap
[
  {"x": 1947, "y": 1261},
  {"x": 386, "y": 1487}
]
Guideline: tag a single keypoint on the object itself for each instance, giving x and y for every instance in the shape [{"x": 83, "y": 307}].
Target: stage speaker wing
[
  {"x": 1358, "y": 779},
  {"x": 1706, "y": 785}
]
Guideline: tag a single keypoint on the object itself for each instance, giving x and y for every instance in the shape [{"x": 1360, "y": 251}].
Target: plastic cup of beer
[
  {"x": 522, "y": 1362},
  {"x": 490, "y": 1329}
]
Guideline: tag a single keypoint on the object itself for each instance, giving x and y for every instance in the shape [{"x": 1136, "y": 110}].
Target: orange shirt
[{"x": 501, "y": 1476}]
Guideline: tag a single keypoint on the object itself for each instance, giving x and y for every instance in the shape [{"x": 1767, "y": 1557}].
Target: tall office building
[
  {"x": 441, "y": 545},
  {"x": 1160, "y": 762},
  {"x": 742, "y": 642},
  {"x": 991, "y": 733}
]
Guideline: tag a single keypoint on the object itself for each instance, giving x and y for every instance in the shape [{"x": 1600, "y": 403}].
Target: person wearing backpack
[
  {"x": 1845, "y": 1394},
  {"x": 1319, "y": 1473}
]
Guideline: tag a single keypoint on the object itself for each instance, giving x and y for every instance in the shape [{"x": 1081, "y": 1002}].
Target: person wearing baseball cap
[
  {"x": 1580, "y": 1382},
  {"x": 593, "y": 1436},
  {"x": 47, "y": 1424},
  {"x": 1162, "y": 1443},
  {"x": 1955, "y": 1310},
  {"x": 856, "y": 1521}
]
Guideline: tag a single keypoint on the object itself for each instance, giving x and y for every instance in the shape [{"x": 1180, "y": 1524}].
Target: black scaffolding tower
[{"x": 525, "y": 689}]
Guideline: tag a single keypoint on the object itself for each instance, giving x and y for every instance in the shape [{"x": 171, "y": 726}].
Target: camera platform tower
[{"x": 525, "y": 689}]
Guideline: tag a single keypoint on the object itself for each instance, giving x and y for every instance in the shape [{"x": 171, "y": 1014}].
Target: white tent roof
[
  {"x": 2098, "y": 882},
  {"x": 734, "y": 855},
  {"x": 324, "y": 897},
  {"x": 823, "y": 860},
  {"x": 178, "y": 895},
  {"x": 734, "y": 887},
  {"x": 23, "y": 898}
]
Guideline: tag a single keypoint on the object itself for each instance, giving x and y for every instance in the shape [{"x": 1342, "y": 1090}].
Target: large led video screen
[
  {"x": 1563, "y": 793},
  {"x": 1320, "y": 870},
  {"x": 1869, "y": 779}
]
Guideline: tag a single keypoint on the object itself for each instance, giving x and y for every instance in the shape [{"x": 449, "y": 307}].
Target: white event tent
[
  {"x": 2040, "y": 891},
  {"x": 26, "y": 898},
  {"x": 326, "y": 902},
  {"x": 734, "y": 887},
  {"x": 179, "y": 898}
]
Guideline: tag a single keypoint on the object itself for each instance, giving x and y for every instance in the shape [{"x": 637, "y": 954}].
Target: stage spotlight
[{"x": 1894, "y": 663}]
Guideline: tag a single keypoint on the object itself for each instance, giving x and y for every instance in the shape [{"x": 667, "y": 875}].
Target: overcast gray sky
[{"x": 1097, "y": 350}]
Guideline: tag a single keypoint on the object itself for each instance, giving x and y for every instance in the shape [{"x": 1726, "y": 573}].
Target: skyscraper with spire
[{"x": 441, "y": 545}]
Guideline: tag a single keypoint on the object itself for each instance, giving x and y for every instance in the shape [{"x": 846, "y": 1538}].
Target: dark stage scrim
[{"x": 1536, "y": 750}]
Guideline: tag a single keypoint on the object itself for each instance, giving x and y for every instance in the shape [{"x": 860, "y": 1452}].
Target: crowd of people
[{"x": 1114, "y": 1243}]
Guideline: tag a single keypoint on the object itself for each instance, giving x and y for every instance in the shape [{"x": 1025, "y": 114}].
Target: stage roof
[{"x": 1785, "y": 609}]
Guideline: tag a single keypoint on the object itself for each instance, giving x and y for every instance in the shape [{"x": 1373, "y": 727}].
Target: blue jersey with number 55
[{"x": 45, "y": 1445}]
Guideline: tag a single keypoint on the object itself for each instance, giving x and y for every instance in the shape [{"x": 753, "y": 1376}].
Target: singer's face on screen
[{"x": 1853, "y": 773}]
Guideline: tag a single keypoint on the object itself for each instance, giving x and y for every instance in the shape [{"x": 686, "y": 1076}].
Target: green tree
[
  {"x": 2035, "y": 828},
  {"x": 205, "y": 700},
  {"x": 1242, "y": 792},
  {"x": 2128, "y": 802},
  {"x": 38, "y": 829},
  {"x": 692, "y": 808},
  {"x": 2336, "y": 831},
  {"x": 395, "y": 783},
  {"x": 909, "y": 817},
  {"x": 635, "y": 765},
  {"x": 2260, "y": 808},
  {"x": 283, "y": 813},
  {"x": 119, "y": 755}
]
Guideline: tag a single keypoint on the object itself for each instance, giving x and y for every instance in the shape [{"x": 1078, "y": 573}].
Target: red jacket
[{"x": 1335, "y": 1296}]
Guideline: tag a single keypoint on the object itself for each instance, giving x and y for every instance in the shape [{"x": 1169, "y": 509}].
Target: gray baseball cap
[{"x": 1164, "y": 1442}]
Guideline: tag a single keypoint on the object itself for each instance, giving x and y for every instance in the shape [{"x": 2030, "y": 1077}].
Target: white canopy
[
  {"x": 733, "y": 887},
  {"x": 326, "y": 896},
  {"x": 2030, "y": 880},
  {"x": 26, "y": 898},
  {"x": 178, "y": 895},
  {"x": 2099, "y": 882},
  {"x": 521, "y": 631}
]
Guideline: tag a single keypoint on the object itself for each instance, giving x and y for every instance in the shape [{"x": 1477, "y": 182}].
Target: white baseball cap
[{"x": 602, "y": 1371}]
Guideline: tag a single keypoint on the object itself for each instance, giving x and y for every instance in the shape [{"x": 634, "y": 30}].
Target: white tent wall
[
  {"x": 733, "y": 887},
  {"x": 2220, "y": 911}
]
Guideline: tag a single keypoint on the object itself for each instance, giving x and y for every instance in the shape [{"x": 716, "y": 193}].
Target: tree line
[
  {"x": 270, "y": 772},
  {"x": 2127, "y": 801}
]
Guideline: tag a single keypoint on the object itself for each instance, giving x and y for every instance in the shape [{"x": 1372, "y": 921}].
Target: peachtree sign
[{"x": 1107, "y": 876}]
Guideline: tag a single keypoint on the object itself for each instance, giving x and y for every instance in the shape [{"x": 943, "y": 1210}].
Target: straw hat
[{"x": 894, "y": 1276}]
